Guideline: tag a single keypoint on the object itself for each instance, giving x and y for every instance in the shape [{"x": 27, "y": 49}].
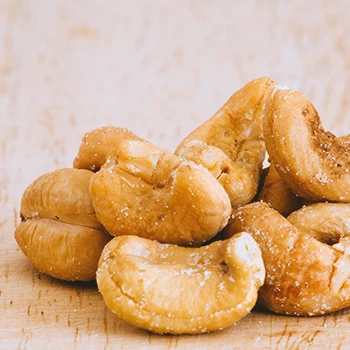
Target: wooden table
[{"x": 160, "y": 69}]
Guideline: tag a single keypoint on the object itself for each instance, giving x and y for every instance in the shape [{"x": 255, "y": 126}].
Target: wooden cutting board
[
  {"x": 41, "y": 312},
  {"x": 160, "y": 69}
]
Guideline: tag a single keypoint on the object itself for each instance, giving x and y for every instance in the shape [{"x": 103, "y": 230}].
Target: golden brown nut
[
  {"x": 303, "y": 275},
  {"x": 154, "y": 194},
  {"x": 327, "y": 222},
  {"x": 314, "y": 163},
  {"x": 64, "y": 251},
  {"x": 60, "y": 233},
  {"x": 276, "y": 193},
  {"x": 61, "y": 195},
  {"x": 100, "y": 144},
  {"x": 169, "y": 289},
  {"x": 230, "y": 144}
]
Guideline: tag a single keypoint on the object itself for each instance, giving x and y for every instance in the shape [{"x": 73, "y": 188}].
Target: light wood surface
[{"x": 159, "y": 68}]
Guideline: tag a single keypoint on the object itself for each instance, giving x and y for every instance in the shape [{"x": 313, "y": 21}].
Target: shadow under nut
[
  {"x": 314, "y": 163},
  {"x": 230, "y": 144},
  {"x": 157, "y": 195},
  {"x": 303, "y": 275},
  {"x": 169, "y": 289},
  {"x": 64, "y": 251}
]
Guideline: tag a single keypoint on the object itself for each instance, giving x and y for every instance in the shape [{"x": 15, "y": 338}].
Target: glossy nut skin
[
  {"x": 278, "y": 195},
  {"x": 170, "y": 289},
  {"x": 65, "y": 251},
  {"x": 61, "y": 195},
  {"x": 150, "y": 193},
  {"x": 303, "y": 275},
  {"x": 314, "y": 163},
  {"x": 230, "y": 144},
  {"x": 100, "y": 144},
  {"x": 60, "y": 233}
]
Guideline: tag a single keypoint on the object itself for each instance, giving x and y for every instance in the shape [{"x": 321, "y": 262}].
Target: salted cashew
[
  {"x": 303, "y": 275},
  {"x": 150, "y": 193},
  {"x": 100, "y": 144},
  {"x": 276, "y": 193},
  {"x": 59, "y": 232},
  {"x": 165, "y": 288},
  {"x": 230, "y": 144},
  {"x": 327, "y": 222},
  {"x": 314, "y": 163}
]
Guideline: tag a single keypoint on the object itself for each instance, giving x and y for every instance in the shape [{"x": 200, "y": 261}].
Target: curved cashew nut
[
  {"x": 150, "y": 193},
  {"x": 303, "y": 275},
  {"x": 169, "y": 289},
  {"x": 276, "y": 193},
  {"x": 60, "y": 233},
  {"x": 314, "y": 163},
  {"x": 327, "y": 222},
  {"x": 230, "y": 144},
  {"x": 100, "y": 144}
]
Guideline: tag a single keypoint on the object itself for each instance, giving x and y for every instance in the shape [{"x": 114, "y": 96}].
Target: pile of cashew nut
[{"x": 189, "y": 242}]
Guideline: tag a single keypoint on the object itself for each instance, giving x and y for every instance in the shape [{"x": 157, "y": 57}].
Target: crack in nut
[
  {"x": 147, "y": 283},
  {"x": 303, "y": 275}
]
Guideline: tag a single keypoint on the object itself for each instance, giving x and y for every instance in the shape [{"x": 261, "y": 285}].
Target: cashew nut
[
  {"x": 230, "y": 144},
  {"x": 150, "y": 193},
  {"x": 100, "y": 144},
  {"x": 327, "y": 222},
  {"x": 60, "y": 233},
  {"x": 303, "y": 275},
  {"x": 169, "y": 289},
  {"x": 314, "y": 163}
]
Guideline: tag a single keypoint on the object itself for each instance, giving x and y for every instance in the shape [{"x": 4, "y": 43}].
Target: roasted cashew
[
  {"x": 303, "y": 275},
  {"x": 276, "y": 193},
  {"x": 150, "y": 193},
  {"x": 230, "y": 144},
  {"x": 314, "y": 163},
  {"x": 327, "y": 222},
  {"x": 169, "y": 289},
  {"x": 60, "y": 233},
  {"x": 100, "y": 144}
]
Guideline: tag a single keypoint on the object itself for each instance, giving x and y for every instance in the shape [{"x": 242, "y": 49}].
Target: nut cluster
[{"x": 168, "y": 268}]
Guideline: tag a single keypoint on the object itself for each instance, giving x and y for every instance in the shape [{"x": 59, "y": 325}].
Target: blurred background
[{"x": 160, "y": 68}]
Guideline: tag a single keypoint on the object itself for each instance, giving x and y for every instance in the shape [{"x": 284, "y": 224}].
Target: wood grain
[{"x": 160, "y": 69}]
